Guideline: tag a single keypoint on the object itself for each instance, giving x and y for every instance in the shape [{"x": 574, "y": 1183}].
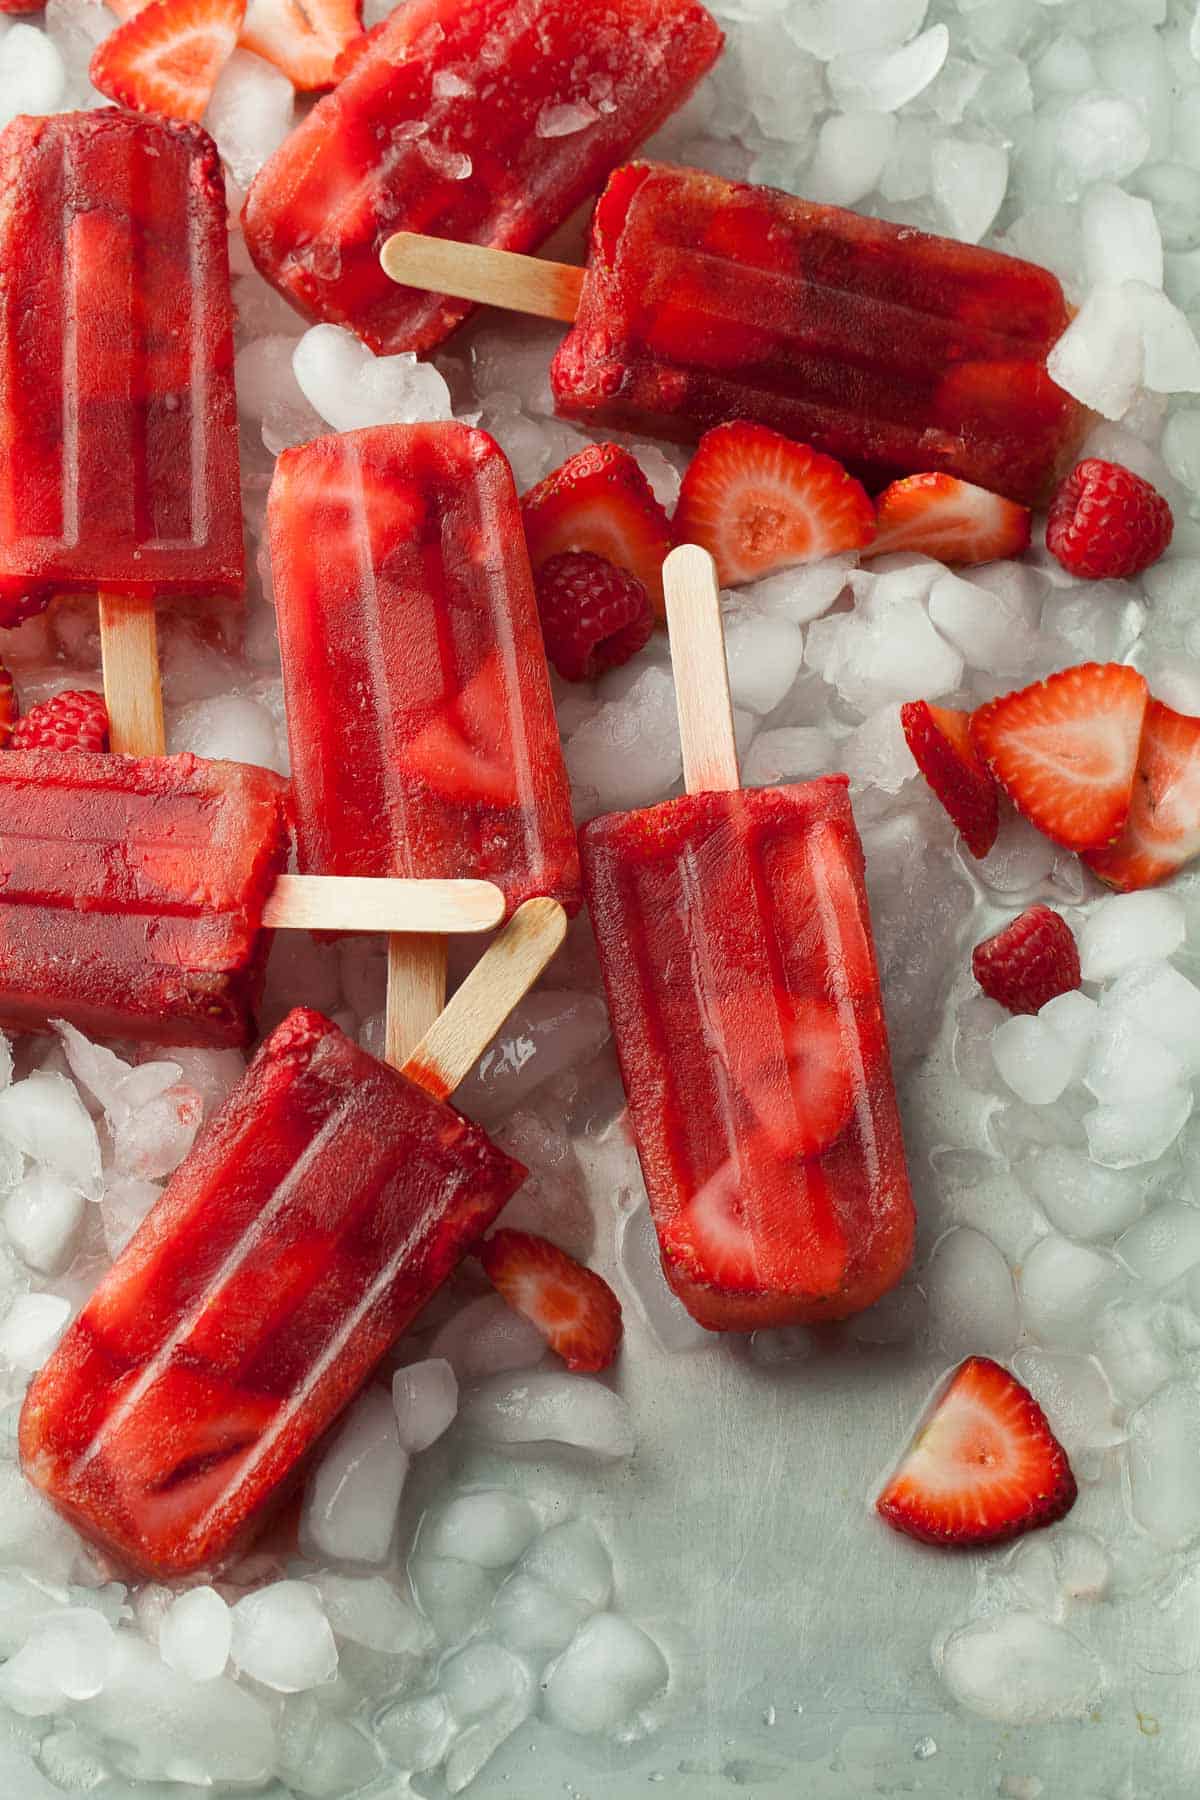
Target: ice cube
[
  {"x": 33, "y": 76},
  {"x": 550, "y": 1408},
  {"x": 352, "y": 387},
  {"x": 282, "y": 1638},
  {"x": 1020, "y": 1670},
  {"x": 486, "y": 1338},
  {"x": 1128, "y": 929},
  {"x": 1173, "y": 189},
  {"x": 1063, "y": 1286},
  {"x": 31, "y": 1532},
  {"x": 641, "y": 1264},
  {"x": 764, "y": 654},
  {"x": 790, "y": 753},
  {"x": 42, "y": 1216},
  {"x": 1127, "y": 1065},
  {"x": 1075, "y": 1019},
  {"x": 827, "y": 27},
  {"x": 545, "y": 1033},
  {"x": 1033, "y": 1059},
  {"x": 196, "y": 1634},
  {"x": 232, "y": 727},
  {"x": 152, "y": 1140},
  {"x": 31, "y": 1328},
  {"x": 977, "y": 1021},
  {"x": 1121, "y": 239},
  {"x": 877, "y": 754},
  {"x": 1156, "y": 999},
  {"x": 490, "y": 1528},
  {"x": 852, "y": 152},
  {"x": 44, "y": 1118},
  {"x": 1163, "y": 1245},
  {"x": 269, "y": 395},
  {"x": 322, "y": 1757},
  {"x": 571, "y": 1560},
  {"x": 1122, "y": 1136},
  {"x": 886, "y": 650},
  {"x": 1171, "y": 354},
  {"x": 990, "y": 631},
  {"x": 607, "y": 1673},
  {"x": 1072, "y": 1392},
  {"x": 425, "y": 1395},
  {"x": 972, "y": 1301},
  {"x": 123, "y": 1206},
  {"x": 532, "y": 1619},
  {"x": 350, "y": 1507},
  {"x": 249, "y": 113},
  {"x": 1055, "y": 1573},
  {"x": 67, "y": 1656},
  {"x": 416, "y": 1734},
  {"x": 628, "y": 754},
  {"x": 454, "y": 1595},
  {"x": 1100, "y": 358},
  {"x": 1140, "y": 1343},
  {"x": 1100, "y": 137},
  {"x": 1164, "y": 1465},
  {"x": 367, "y": 1610},
  {"x": 491, "y": 1690},
  {"x": 969, "y": 180},
  {"x": 20, "y": 1776},
  {"x": 100, "y": 1070},
  {"x": 806, "y": 590},
  {"x": 1079, "y": 1198},
  {"x": 882, "y": 81}
]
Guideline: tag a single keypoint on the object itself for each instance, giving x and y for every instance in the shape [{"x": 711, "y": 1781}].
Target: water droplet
[
  {"x": 769, "y": 1716},
  {"x": 924, "y": 1748}
]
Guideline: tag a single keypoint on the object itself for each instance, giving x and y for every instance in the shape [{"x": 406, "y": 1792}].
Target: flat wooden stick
[
  {"x": 365, "y": 903},
  {"x": 503, "y": 974},
  {"x": 132, "y": 689},
  {"x": 693, "y": 594},
  {"x": 416, "y": 992},
  {"x": 524, "y": 284}
]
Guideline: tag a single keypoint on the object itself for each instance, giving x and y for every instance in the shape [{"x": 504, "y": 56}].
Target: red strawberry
[
  {"x": 75, "y": 720},
  {"x": 941, "y": 516},
  {"x": 600, "y": 501},
  {"x": 793, "y": 1243},
  {"x": 594, "y": 615},
  {"x": 1065, "y": 750},
  {"x": 8, "y": 705},
  {"x": 940, "y": 740},
  {"x": 1106, "y": 521},
  {"x": 166, "y": 58},
  {"x": 304, "y": 38},
  {"x": 1163, "y": 831},
  {"x": 984, "y": 1467},
  {"x": 577, "y": 1312},
  {"x": 1032, "y": 960},
  {"x": 760, "y": 501}
]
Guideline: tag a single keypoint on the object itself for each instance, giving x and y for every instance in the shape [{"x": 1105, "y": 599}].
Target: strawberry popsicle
[
  {"x": 422, "y": 729},
  {"x": 132, "y": 893},
  {"x": 326, "y": 1203},
  {"x": 736, "y": 950},
  {"x": 490, "y": 122},
  {"x": 118, "y": 425},
  {"x": 707, "y": 300}
]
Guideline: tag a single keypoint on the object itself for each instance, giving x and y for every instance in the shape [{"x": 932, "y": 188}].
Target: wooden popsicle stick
[
  {"x": 710, "y": 762},
  {"x": 366, "y": 903},
  {"x": 132, "y": 688},
  {"x": 525, "y": 284},
  {"x": 506, "y": 970},
  {"x": 416, "y": 991}
]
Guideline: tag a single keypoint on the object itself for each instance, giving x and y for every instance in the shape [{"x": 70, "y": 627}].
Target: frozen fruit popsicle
[
  {"x": 326, "y": 1203},
  {"x": 422, "y": 728},
  {"x": 489, "y": 122},
  {"x": 132, "y": 893},
  {"x": 118, "y": 426},
  {"x": 737, "y": 955},
  {"x": 708, "y": 300}
]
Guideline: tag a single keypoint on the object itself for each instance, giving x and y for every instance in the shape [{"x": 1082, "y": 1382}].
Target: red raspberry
[
  {"x": 594, "y": 615},
  {"x": 8, "y": 705},
  {"x": 1106, "y": 522},
  {"x": 76, "y": 720},
  {"x": 1034, "y": 959}
]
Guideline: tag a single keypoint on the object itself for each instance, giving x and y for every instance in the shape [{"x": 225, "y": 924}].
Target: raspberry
[
  {"x": 594, "y": 615},
  {"x": 1107, "y": 522},
  {"x": 76, "y": 720},
  {"x": 1034, "y": 959}
]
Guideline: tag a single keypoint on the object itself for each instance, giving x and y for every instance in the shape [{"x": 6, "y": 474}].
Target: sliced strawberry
[
  {"x": 759, "y": 1225},
  {"x": 940, "y": 740},
  {"x": 304, "y": 38},
  {"x": 808, "y": 1112},
  {"x": 457, "y": 752},
  {"x": 577, "y": 1313},
  {"x": 1163, "y": 831},
  {"x": 1065, "y": 749},
  {"x": 600, "y": 501},
  {"x": 166, "y": 58},
  {"x": 985, "y": 1466},
  {"x": 941, "y": 516},
  {"x": 1034, "y": 959},
  {"x": 759, "y": 501}
]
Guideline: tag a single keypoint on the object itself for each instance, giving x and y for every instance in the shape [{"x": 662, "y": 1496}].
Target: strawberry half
[
  {"x": 600, "y": 501},
  {"x": 166, "y": 58},
  {"x": 984, "y": 1467},
  {"x": 952, "y": 520},
  {"x": 940, "y": 740},
  {"x": 1065, "y": 750},
  {"x": 1163, "y": 830},
  {"x": 759, "y": 501},
  {"x": 577, "y": 1313},
  {"x": 304, "y": 38}
]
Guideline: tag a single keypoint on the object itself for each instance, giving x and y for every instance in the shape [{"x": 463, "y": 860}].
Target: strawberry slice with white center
[
  {"x": 759, "y": 501},
  {"x": 803, "y": 1105},
  {"x": 574, "y": 1308},
  {"x": 984, "y": 1467},
  {"x": 952, "y": 520},
  {"x": 304, "y": 38},
  {"x": 759, "y": 1225},
  {"x": 1163, "y": 831},
  {"x": 456, "y": 753},
  {"x": 167, "y": 57},
  {"x": 1065, "y": 750}
]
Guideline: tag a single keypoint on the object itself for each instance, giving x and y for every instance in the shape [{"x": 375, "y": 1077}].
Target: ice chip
[
  {"x": 1063, "y": 1285},
  {"x": 425, "y": 1395},
  {"x": 1032, "y": 1059},
  {"x": 454, "y": 1596},
  {"x": 233, "y": 727},
  {"x": 282, "y": 1638},
  {"x": 571, "y": 1560},
  {"x": 852, "y": 151},
  {"x": 196, "y": 1634},
  {"x": 1126, "y": 1065},
  {"x": 33, "y": 76},
  {"x": 550, "y": 1408},
  {"x": 1081, "y": 1199},
  {"x": 416, "y": 1734},
  {"x": 1163, "y": 1245},
  {"x": 486, "y": 1338},
  {"x": 1159, "y": 1000},
  {"x": 249, "y": 113},
  {"x": 532, "y": 1619},
  {"x": 1072, "y": 1392},
  {"x": 490, "y": 1528},
  {"x": 31, "y": 1328},
  {"x": 1120, "y": 1136},
  {"x": 641, "y": 1265},
  {"x": 1121, "y": 239},
  {"x": 67, "y": 1656},
  {"x": 44, "y": 1118},
  {"x": 1128, "y": 929},
  {"x": 968, "y": 181},
  {"x": 1019, "y": 1669},
  {"x": 351, "y": 387},
  {"x": 972, "y": 1301},
  {"x": 42, "y": 1216},
  {"x": 764, "y": 654},
  {"x": 367, "y": 1610},
  {"x": 885, "y": 80},
  {"x": 1100, "y": 358},
  {"x": 123, "y": 1206},
  {"x": 1100, "y": 137},
  {"x": 269, "y": 394},
  {"x": 1164, "y": 1465},
  {"x": 350, "y": 1507},
  {"x": 791, "y": 753},
  {"x": 608, "y": 1671},
  {"x": 544, "y": 1034},
  {"x": 628, "y": 754}
]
